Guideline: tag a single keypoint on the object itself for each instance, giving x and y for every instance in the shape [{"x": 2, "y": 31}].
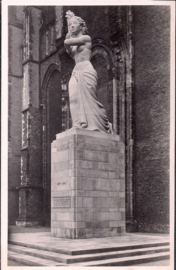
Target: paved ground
[{"x": 44, "y": 239}]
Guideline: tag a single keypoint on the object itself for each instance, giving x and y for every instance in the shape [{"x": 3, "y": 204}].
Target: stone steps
[
  {"x": 30, "y": 260},
  {"x": 119, "y": 255},
  {"x": 127, "y": 261},
  {"x": 68, "y": 259}
]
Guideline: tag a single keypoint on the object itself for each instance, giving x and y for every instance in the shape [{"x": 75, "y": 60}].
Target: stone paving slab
[{"x": 44, "y": 239}]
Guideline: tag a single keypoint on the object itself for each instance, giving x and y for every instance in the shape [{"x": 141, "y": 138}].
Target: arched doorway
[
  {"x": 52, "y": 125},
  {"x": 102, "y": 62}
]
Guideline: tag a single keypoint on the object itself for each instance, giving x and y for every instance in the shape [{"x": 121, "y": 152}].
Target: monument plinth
[{"x": 87, "y": 185}]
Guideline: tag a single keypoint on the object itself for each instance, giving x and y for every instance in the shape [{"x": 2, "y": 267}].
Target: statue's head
[
  {"x": 76, "y": 22},
  {"x": 81, "y": 23}
]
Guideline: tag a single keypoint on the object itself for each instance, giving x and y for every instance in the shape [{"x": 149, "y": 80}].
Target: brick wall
[{"x": 151, "y": 117}]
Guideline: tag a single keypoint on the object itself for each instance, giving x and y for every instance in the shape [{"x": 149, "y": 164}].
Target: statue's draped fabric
[{"x": 86, "y": 111}]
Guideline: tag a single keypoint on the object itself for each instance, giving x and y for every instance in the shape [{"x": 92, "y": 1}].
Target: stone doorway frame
[{"x": 44, "y": 106}]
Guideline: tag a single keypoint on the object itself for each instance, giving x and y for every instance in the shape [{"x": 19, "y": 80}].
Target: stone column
[
  {"x": 87, "y": 185},
  {"x": 30, "y": 190}
]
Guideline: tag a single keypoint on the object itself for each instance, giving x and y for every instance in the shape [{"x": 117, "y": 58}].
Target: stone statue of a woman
[{"x": 86, "y": 111}]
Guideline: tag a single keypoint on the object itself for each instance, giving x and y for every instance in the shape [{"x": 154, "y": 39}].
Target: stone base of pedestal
[{"x": 87, "y": 185}]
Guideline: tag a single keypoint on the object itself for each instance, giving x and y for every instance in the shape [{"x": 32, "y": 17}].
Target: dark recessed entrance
[{"x": 52, "y": 125}]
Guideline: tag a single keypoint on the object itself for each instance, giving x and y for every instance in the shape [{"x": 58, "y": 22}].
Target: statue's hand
[
  {"x": 68, "y": 36},
  {"x": 69, "y": 14}
]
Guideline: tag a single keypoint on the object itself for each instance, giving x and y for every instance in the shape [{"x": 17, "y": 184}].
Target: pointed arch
[
  {"x": 51, "y": 107},
  {"x": 47, "y": 75}
]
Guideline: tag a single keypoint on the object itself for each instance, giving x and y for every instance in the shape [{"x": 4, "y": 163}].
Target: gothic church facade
[{"x": 131, "y": 54}]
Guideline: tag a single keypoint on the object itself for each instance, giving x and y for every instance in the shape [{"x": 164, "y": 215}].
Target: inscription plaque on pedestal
[{"x": 62, "y": 202}]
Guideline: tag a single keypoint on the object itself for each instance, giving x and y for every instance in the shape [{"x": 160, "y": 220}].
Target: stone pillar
[
  {"x": 30, "y": 189},
  {"x": 87, "y": 185}
]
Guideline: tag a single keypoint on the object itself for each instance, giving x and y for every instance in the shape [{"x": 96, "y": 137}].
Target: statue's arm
[{"x": 77, "y": 41}]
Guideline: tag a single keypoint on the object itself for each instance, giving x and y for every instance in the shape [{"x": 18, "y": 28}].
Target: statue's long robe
[{"x": 86, "y": 111}]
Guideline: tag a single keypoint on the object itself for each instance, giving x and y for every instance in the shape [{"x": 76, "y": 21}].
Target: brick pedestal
[{"x": 87, "y": 185}]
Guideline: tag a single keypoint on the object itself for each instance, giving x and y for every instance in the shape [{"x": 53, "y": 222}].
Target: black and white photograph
[{"x": 88, "y": 102}]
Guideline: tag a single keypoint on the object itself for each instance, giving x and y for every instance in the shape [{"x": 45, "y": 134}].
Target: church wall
[
  {"x": 15, "y": 50},
  {"x": 150, "y": 35},
  {"x": 35, "y": 24},
  {"x": 151, "y": 117},
  {"x": 15, "y": 102},
  {"x": 14, "y": 134}
]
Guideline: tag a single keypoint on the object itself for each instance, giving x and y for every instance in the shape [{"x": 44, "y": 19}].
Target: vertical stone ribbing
[
  {"x": 30, "y": 190},
  {"x": 15, "y": 78},
  {"x": 128, "y": 126}
]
